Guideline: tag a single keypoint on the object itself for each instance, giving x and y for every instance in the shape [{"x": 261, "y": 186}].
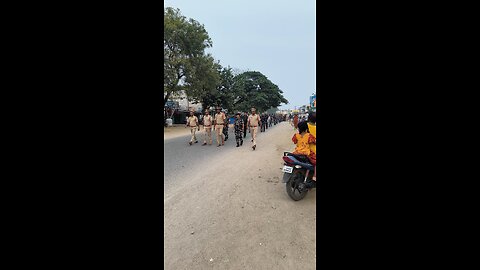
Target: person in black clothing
[
  {"x": 244, "y": 118},
  {"x": 239, "y": 126},
  {"x": 225, "y": 128},
  {"x": 262, "y": 118},
  {"x": 266, "y": 121}
]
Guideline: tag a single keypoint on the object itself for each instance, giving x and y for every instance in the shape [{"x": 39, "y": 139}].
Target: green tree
[
  {"x": 184, "y": 42},
  {"x": 253, "y": 89},
  {"x": 204, "y": 80},
  {"x": 222, "y": 94}
]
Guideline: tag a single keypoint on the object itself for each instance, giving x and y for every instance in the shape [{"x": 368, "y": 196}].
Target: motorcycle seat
[{"x": 301, "y": 158}]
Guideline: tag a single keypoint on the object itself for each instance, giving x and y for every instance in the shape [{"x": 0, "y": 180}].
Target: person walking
[
  {"x": 262, "y": 122},
  {"x": 253, "y": 123},
  {"x": 295, "y": 121},
  {"x": 244, "y": 118},
  {"x": 225, "y": 128},
  {"x": 219, "y": 123},
  {"x": 260, "y": 116},
  {"x": 265, "y": 122},
  {"x": 207, "y": 125},
  {"x": 239, "y": 126},
  {"x": 192, "y": 122}
]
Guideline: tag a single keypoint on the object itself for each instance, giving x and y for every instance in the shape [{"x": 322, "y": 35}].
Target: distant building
[
  {"x": 313, "y": 102},
  {"x": 184, "y": 105},
  {"x": 180, "y": 106}
]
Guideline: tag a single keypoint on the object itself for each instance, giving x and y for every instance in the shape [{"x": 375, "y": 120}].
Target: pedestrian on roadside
[
  {"x": 263, "y": 122},
  {"x": 253, "y": 124},
  {"x": 239, "y": 126},
  {"x": 265, "y": 119},
  {"x": 207, "y": 125},
  {"x": 260, "y": 116},
  {"x": 192, "y": 122},
  {"x": 225, "y": 128},
  {"x": 219, "y": 123},
  {"x": 244, "y": 118},
  {"x": 295, "y": 121}
]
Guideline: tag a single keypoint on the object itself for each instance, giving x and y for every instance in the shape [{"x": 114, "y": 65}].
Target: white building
[{"x": 184, "y": 104}]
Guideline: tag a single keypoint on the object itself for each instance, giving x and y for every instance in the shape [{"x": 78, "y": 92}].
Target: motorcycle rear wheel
[{"x": 292, "y": 186}]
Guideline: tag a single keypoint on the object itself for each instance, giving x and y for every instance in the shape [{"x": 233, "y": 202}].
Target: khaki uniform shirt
[
  {"x": 254, "y": 120},
  {"x": 207, "y": 120},
  {"x": 219, "y": 118},
  {"x": 192, "y": 121}
]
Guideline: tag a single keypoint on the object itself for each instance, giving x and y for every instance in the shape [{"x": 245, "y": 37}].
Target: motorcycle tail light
[{"x": 287, "y": 159}]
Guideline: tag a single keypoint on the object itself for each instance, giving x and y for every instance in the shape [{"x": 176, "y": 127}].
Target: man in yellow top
[
  {"x": 192, "y": 122},
  {"x": 253, "y": 123},
  {"x": 312, "y": 129},
  {"x": 219, "y": 122}
]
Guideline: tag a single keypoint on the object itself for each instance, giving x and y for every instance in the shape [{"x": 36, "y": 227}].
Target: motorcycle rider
[
  {"x": 303, "y": 139},
  {"x": 312, "y": 129}
]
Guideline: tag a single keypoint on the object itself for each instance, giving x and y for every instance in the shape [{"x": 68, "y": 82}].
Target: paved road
[
  {"x": 182, "y": 160},
  {"x": 236, "y": 215}
]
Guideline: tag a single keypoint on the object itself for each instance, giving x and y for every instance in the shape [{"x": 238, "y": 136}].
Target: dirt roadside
[
  {"x": 239, "y": 216},
  {"x": 179, "y": 130}
]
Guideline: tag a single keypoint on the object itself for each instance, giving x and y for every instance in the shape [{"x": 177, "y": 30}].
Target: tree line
[{"x": 187, "y": 67}]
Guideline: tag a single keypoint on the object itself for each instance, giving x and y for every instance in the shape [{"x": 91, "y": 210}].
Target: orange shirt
[
  {"x": 303, "y": 143},
  {"x": 313, "y": 130}
]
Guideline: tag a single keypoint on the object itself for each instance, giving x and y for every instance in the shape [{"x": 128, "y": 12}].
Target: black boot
[
  {"x": 238, "y": 144},
  {"x": 310, "y": 184},
  {"x": 241, "y": 142}
]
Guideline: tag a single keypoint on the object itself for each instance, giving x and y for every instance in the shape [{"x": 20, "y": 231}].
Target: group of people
[
  {"x": 305, "y": 140},
  {"x": 270, "y": 119},
  {"x": 219, "y": 124}
]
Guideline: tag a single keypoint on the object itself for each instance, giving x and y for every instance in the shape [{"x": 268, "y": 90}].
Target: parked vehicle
[{"x": 298, "y": 173}]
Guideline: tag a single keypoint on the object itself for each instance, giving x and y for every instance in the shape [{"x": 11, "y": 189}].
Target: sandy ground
[
  {"x": 178, "y": 130},
  {"x": 232, "y": 211}
]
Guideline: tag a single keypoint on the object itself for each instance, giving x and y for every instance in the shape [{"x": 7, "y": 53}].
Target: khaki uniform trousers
[
  {"x": 219, "y": 132},
  {"x": 192, "y": 131},
  {"x": 254, "y": 135},
  {"x": 208, "y": 135}
]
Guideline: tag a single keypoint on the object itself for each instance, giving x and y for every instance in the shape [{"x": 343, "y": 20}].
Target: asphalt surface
[{"x": 182, "y": 160}]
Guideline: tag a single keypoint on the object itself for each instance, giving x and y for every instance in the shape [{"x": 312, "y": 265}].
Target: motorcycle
[{"x": 298, "y": 173}]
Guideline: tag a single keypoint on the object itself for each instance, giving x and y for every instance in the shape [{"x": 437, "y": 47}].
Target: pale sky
[{"x": 275, "y": 37}]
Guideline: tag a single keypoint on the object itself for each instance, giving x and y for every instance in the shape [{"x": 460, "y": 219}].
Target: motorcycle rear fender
[{"x": 286, "y": 176}]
